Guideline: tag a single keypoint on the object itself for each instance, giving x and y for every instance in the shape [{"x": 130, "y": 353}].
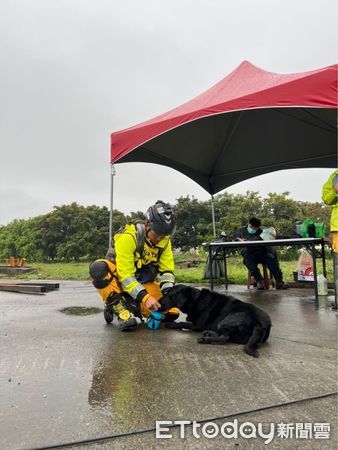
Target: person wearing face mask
[
  {"x": 252, "y": 256},
  {"x": 140, "y": 270}
]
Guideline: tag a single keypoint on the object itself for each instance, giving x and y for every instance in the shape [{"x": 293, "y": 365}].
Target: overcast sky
[{"x": 73, "y": 71}]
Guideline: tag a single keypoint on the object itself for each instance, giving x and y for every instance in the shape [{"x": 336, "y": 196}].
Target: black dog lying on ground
[{"x": 223, "y": 318}]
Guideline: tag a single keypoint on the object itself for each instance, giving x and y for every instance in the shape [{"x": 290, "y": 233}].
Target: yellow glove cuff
[{"x": 145, "y": 298}]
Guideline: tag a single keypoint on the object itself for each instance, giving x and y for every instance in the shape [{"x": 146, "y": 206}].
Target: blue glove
[{"x": 154, "y": 320}]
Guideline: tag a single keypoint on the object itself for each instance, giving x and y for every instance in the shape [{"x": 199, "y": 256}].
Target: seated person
[{"x": 252, "y": 256}]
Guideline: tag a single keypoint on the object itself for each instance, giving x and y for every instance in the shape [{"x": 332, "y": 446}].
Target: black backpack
[{"x": 140, "y": 238}]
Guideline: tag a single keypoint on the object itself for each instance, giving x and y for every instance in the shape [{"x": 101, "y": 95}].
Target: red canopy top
[{"x": 247, "y": 87}]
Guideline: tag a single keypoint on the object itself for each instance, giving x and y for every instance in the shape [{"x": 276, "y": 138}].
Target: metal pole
[
  {"x": 211, "y": 272},
  {"x": 112, "y": 174},
  {"x": 313, "y": 252},
  {"x": 213, "y": 215}
]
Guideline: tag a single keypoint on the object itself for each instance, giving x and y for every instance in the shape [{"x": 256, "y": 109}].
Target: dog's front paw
[
  {"x": 209, "y": 333},
  {"x": 251, "y": 351},
  {"x": 205, "y": 340},
  {"x": 208, "y": 337}
]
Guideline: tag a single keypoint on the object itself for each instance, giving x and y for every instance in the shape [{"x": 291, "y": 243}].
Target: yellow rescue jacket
[
  {"x": 330, "y": 197},
  {"x": 130, "y": 262}
]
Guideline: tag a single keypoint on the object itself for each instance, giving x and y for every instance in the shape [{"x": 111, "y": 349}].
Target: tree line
[{"x": 74, "y": 232}]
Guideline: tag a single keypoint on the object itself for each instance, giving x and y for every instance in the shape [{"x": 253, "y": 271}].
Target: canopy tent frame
[{"x": 292, "y": 115}]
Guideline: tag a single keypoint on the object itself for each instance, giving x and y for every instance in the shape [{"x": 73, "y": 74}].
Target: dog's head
[{"x": 180, "y": 296}]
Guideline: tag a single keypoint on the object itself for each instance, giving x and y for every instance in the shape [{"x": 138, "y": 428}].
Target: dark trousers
[{"x": 251, "y": 260}]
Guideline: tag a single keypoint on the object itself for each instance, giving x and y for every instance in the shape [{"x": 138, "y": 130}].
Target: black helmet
[{"x": 161, "y": 218}]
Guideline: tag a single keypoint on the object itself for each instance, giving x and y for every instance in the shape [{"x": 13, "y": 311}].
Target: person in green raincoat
[{"x": 330, "y": 197}]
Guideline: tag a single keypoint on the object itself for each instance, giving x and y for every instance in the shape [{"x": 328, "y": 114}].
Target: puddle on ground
[{"x": 80, "y": 310}]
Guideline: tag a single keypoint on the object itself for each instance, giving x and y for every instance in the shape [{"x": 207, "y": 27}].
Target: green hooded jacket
[{"x": 330, "y": 197}]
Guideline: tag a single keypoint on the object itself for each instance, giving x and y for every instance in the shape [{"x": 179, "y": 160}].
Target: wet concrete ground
[{"x": 67, "y": 377}]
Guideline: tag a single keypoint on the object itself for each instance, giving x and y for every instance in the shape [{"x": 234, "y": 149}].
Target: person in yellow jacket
[
  {"x": 142, "y": 270},
  {"x": 330, "y": 197}
]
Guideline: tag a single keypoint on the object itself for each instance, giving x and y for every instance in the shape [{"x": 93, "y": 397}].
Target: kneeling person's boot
[
  {"x": 108, "y": 312},
  {"x": 125, "y": 318}
]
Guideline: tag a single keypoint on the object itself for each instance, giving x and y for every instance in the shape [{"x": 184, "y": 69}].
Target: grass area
[
  {"x": 56, "y": 271},
  {"x": 237, "y": 273}
]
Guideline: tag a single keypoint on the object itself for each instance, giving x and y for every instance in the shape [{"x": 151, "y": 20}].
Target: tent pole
[
  {"x": 112, "y": 174},
  {"x": 213, "y": 215}
]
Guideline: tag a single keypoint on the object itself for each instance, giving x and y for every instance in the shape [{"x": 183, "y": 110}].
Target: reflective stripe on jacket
[
  {"x": 330, "y": 197},
  {"x": 129, "y": 261}
]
